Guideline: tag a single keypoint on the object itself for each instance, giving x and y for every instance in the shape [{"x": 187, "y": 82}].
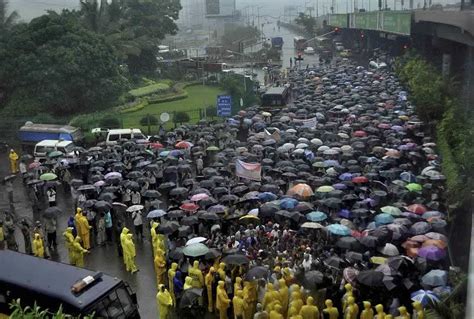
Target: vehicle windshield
[
  {"x": 117, "y": 304},
  {"x": 68, "y": 148}
]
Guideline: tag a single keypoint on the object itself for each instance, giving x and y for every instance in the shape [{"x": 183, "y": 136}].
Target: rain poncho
[
  {"x": 160, "y": 267},
  {"x": 309, "y": 311},
  {"x": 13, "y": 156},
  {"x": 78, "y": 252},
  {"x": 83, "y": 228},
  {"x": 196, "y": 274},
  {"x": 38, "y": 246},
  {"x": 129, "y": 254},
  {"x": 222, "y": 300},
  {"x": 171, "y": 274},
  {"x": 209, "y": 282},
  {"x": 164, "y": 301}
]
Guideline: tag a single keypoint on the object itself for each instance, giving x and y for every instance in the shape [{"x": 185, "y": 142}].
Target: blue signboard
[{"x": 224, "y": 105}]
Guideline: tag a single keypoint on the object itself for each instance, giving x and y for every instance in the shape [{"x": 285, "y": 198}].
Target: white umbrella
[
  {"x": 316, "y": 142},
  {"x": 134, "y": 208},
  {"x": 390, "y": 250},
  {"x": 196, "y": 240},
  {"x": 253, "y": 212},
  {"x": 312, "y": 225}
]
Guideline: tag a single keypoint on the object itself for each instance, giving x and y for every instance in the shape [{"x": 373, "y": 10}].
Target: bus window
[{"x": 115, "y": 305}]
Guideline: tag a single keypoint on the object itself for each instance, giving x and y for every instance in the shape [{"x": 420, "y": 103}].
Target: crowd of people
[{"x": 345, "y": 217}]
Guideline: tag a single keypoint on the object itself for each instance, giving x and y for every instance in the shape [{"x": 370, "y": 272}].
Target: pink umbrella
[{"x": 198, "y": 197}]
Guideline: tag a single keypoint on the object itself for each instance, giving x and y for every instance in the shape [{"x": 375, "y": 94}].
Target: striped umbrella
[{"x": 424, "y": 297}]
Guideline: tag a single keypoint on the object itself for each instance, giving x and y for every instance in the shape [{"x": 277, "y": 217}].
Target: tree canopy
[
  {"x": 60, "y": 64},
  {"x": 307, "y": 22}
]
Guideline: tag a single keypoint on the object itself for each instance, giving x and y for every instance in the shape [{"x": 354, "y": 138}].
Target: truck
[
  {"x": 277, "y": 43},
  {"x": 32, "y": 133}
]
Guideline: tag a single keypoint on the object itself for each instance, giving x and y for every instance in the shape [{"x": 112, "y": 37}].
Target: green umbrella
[
  {"x": 324, "y": 189},
  {"x": 319, "y": 164},
  {"x": 195, "y": 250},
  {"x": 392, "y": 210},
  {"x": 414, "y": 187},
  {"x": 55, "y": 154},
  {"x": 48, "y": 177},
  {"x": 212, "y": 148}
]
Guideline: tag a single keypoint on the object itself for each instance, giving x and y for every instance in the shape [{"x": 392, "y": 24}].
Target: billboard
[
  {"x": 338, "y": 20},
  {"x": 220, "y": 8},
  {"x": 397, "y": 22}
]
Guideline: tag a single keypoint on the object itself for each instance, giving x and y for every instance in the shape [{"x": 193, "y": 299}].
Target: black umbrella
[
  {"x": 175, "y": 214},
  {"x": 89, "y": 203},
  {"x": 209, "y": 216},
  {"x": 257, "y": 272},
  {"x": 86, "y": 188},
  {"x": 312, "y": 279},
  {"x": 184, "y": 231},
  {"x": 176, "y": 254},
  {"x": 168, "y": 227},
  {"x": 51, "y": 212},
  {"x": 235, "y": 259},
  {"x": 370, "y": 278},
  {"x": 353, "y": 256},
  {"x": 150, "y": 193},
  {"x": 228, "y": 198},
  {"x": 213, "y": 253},
  {"x": 166, "y": 186},
  {"x": 107, "y": 197},
  {"x": 190, "y": 298},
  {"x": 348, "y": 243},
  {"x": 334, "y": 262},
  {"x": 190, "y": 220},
  {"x": 179, "y": 191},
  {"x": 102, "y": 205}
]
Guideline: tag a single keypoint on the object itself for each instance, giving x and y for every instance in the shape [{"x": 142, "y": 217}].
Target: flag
[
  {"x": 252, "y": 171},
  {"x": 308, "y": 122}
]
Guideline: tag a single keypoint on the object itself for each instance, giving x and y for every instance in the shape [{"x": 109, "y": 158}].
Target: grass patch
[
  {"x": 199, "y": 97},
  {"x": 150, "y": 89}
]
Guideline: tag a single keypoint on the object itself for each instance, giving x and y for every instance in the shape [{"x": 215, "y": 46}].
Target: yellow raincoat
[
  {"x": 368, "y": 312},
  {"x": 196, "y": 274},
  {"x": 171, "y": 274},
  {"x": 309, "y": 311},
  {"x": 160, "y": 267},
  {"x": 209, "y": 281},
  {"x": 38, "y": 246},
  {"x": 222, "y": 300},
  {"x": 78, "y": 252},
  {"x": 13, "y": 161},
  {"x": 129, "y": 254},
  {"x": 330, "y": 310},
  {"x": 163, "y": 301},
  {"x": 69, "y": 240}
]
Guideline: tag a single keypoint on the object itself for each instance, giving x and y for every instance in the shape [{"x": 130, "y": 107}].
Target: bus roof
[
  {"x": 51, "y": 278},
  {"x": 298, "y": 38},
  {"x": 49, "y": 128},
  {"x": 276, "y": 90}
]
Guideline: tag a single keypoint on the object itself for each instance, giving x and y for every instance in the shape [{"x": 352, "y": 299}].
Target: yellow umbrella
[
  {"x": 325, "y": 189},
  {"x": 378, "y": 260},
  {"x": 249, "y": 217},
  {"x": 266, "y": 114}
]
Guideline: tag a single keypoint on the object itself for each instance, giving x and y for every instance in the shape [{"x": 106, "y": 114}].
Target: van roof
[
  {"x": 124, "y": 131},
  {"x": 54, "y": 143},
  {"x": 51, "y": 278},
  {"x": 50, "y": 128}
]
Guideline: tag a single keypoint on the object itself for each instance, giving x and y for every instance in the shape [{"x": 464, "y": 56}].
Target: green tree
[
  {"x": 181, "y": 117},
  {"x": 307, "y": 22},
  {"x": 148, "y": 120},
  {"x": 110, "y": 122},
  {"x": 7, "y": 20},
  {"x": 66, "y": 68}
]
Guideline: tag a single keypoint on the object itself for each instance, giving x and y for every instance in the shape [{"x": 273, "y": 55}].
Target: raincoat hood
[
  {"x": 238, "y": 280},
  {"x": 350, "y": 300},
  {"x": 402, "y": 310},
  {"x": 310, "y": 301},
  {"x": 220, "y": 284},
  {"x": 69, "y": 230},
  {"x": 222, "y": 266},
  {"x": 129, "y": 236},
  {"x": 154, "y": 225},
  {"x": 174, "y": 266},
  {"x": 367, "y": 304},
  {"x": 77, "y": 239},
  {"x": 212, "y": 270},
  {"x": 196, "y": 264},
  {"x": 282, "y": 283},
  {"x": 379, "y": 308},
  {"x": 270, "y": 287},
  {"x": 125, "y": 231},
  {"x": 348, "y": 287},
  {"x": 417, "y": 305},
  {"x": 188, "y": 281},
  {"x": 78, "y": 210},
  {"x": 37, "y": 236},
  {"x": 328, "y": 303}
]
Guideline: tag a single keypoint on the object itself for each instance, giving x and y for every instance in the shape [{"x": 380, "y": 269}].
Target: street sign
[
  {"x": 224, "y": 105},
  {"x": 164, "y": 117}
]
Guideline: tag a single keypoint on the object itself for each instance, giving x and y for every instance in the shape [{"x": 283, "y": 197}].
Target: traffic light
[{"x": 362, "y": 35}]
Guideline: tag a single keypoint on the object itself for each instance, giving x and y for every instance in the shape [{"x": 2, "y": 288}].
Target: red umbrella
[
  {"x": 189, "y": 207},
  {"x": 384, "y": 126},
  {"x": 184, "y": 144},
  {"x": 156, "y": 145},
  {"x": 417, "y": 209},
  {"x": 359, "y": 134},
  {"x": 34, "y": 165},
  {"x": 360, "y": 179}
]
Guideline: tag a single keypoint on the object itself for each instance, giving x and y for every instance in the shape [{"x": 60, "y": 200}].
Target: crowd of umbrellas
[{"x": 363, "y": 182}]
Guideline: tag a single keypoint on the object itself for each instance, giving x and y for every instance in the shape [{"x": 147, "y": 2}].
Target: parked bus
[
  {"x": 51, "y": 285},
  {"x": 276, "y": 97},
  {"x": 300, "y": 43}
]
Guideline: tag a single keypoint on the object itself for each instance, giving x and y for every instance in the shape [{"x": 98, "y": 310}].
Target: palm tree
[{"x": 7, "y": 20}]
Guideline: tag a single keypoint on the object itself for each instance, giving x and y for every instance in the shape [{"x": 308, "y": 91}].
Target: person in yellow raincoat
[
  {"x": 78, "y": 252},
  {"x": 238, "y": 285},
  {"x": 221, "y": 271},
  {"x": 331, "y": 311},
  {"x": 129, "y": 254},
  {"x": 38, "y": 246},
  {"x": 69, "y": 240},
  {"x": 13, "y": 156},
  {"x": 123, "y": 238},
  {"x": 403, "y": 313},
  {"x": 296, "y": 301},
  {"x": 171, "y": 274},
  {"x": 352, "y": 309},
  {"x": 222, "y": 300},
  {"x": 160, "y": 267},
  {"x": 380, "y": 314},
  {"x": 270, "y": 298},
  {"x": 239, "y": 305},
  {"x": 276, "y": 312},
  {"x": 250, "y": 297},
  {"x": 154, "y": 236},
  {"x": 196, "y": 274},
  {"x": 83, "y": 228},
  {"x": 418, "y": 311},
  {"x": 163, "y": 301},
  {"x": 368, "y": 312},
  {"x": 347, "y": 294},
  {"x": 209, "y": 282},
  {"x": 284, "y": 295},
  {"x": 309, "y": 311},
  {"x": 188, "y": 283}
]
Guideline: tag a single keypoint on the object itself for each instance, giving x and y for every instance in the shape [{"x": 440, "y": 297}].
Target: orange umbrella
[
  {"x": 435, "y": 242},
  {"x": 412, "y": 252},
  {"x": 410, "y": 244},
  {"x": 302, "y": 190}
]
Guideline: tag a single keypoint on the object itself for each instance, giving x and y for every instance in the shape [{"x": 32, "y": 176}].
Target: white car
[{"x": 309, "y": 50}]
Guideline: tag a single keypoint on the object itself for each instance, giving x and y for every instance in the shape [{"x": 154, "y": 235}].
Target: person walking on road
[
  {"x": 69, "y": 240},
  {"x": 51, "y": 194},
  {"x": 50, "y": 228},
  {"x": 13, "y": 156},
  {"x": 138, "y": 223},
  {"x": 78, "y": 252},
  {"x": 129, "y": 254},
  {"x": 25, "y": 230},
  {"x": 38, "y": 246}
]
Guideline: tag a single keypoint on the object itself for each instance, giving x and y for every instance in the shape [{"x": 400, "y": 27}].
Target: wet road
[{"x": 103, "y": 258}]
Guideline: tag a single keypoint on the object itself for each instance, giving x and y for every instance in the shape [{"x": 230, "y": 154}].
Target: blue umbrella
[
  {"x": 338, "y": 229},
  {"x": 408, "y": 177},
  {"x": 383, "y": 219},
  {"x": 157, "y": 213},
  {"x": 435, "y": 277},
  {"x": 175, "y": 153},
  {"x": 345, "y": 213},
  {"x": 331, "y": 163},
  {"x": 424, "y": 297},
  {"x": 345, "y": 177},
  {"x": 432, "y": 213},
  {"x": 164, "y": 153},
  {"x": 288, "y": 203},
  {"x": 316, "y": 216},
  {"x": 267, "y": 196},
  {"x": 340, "y": 186}
]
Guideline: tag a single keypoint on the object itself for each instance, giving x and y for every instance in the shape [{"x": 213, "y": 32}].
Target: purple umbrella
[
  {"x": 345, "y": 213},
  {"x": 340, "y": 186},
  {"x": 345, "y": 177},
  {"x": 432, "y": 253}
]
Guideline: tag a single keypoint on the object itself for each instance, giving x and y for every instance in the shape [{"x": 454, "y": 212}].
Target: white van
[
  {"x": 113, "y": 136},
  {"x": 43, "y": 148}
]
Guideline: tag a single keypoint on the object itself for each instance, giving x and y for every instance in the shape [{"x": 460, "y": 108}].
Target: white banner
[
  {"x": 307, "y": 123},
  {"x": 275, "y": 135},
  {"x": 251, "y": 171}
]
